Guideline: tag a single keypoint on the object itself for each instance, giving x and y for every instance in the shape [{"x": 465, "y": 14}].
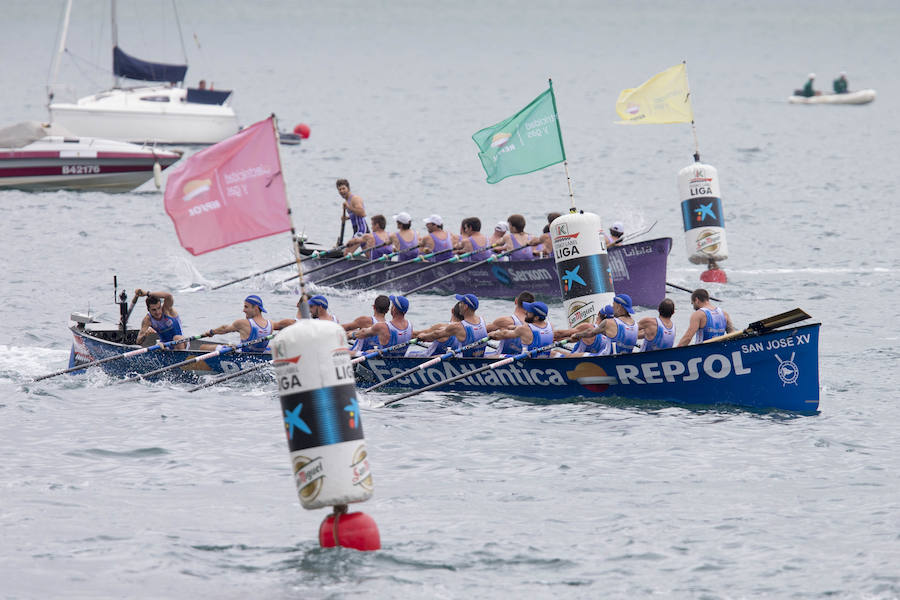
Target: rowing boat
[
  {"x": 774, "y": 370},
  {"x": 638, "y": 269},
  {"x": 857, "y": 97}
]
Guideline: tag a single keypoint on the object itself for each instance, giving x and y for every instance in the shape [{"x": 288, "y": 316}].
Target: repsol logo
[{"x": 716, "y": 366}]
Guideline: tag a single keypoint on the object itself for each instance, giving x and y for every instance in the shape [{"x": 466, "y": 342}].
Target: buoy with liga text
[
  {"x": 704, "y": 220},
  {"x": 323, "y": 425}
]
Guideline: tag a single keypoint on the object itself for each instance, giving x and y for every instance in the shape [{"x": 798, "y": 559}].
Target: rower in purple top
[
  {"x": 354, "y": 209},
  {"x": 377, "y": 241},
  {"x": 500, "y": 231},
  {"x": 468, "y": 330},
  {"x": 161, "y": 318},
  {"x": 405, "y": 240},
  {"x": 472, "y": 240},
  {"x": 545, "y": 242},
  {"x": 390, "y": 333},
  {"x": 437, "y": 240},
  {"x": 519, "y": 240},
  {"x": 535, "y": 333},
  {"x": 512, "y": 346},
  {"x": 380, "y": 308},
  {"x": 318, "y": 309},
  {"x": 707, "y": 320},
  {"x": 658, "y": 333}
]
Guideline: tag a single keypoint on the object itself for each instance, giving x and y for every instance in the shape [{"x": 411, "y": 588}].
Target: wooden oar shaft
[
  {"x": 684, "y": 289},
  {"x": 463, "y": 270},
  {"x": 229, "y": 377},
  {"x": 765, "y": 325}
]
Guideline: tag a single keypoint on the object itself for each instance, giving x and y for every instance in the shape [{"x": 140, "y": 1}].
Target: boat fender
[
  {"x": 323, "y": 425},
  {"x": 157, "y": 174},
  {"x": 701, "y": 212},
  {"x": 585, "y": 278}
]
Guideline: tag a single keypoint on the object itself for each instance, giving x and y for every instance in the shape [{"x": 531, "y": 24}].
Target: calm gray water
[{"x": 149, "y": 492}]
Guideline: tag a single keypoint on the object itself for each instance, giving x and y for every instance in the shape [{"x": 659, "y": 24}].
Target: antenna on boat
[
  {"x": 54, "y": 68},
  {"x": 114, "y": 30}
]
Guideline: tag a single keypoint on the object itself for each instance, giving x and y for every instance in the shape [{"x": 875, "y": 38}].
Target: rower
[
  {"x": 372, "y": 240},
  {"x": 707, "y": 320},
  {"x": 437, "y": 240},
  {"x": 253, "y": 327},
  {"x": 440, "y": 344},
  {"x": 621, "y": 329},
  {"x": 380, "y": 308},
  {"x": 390, "y": 333},
  {"x": 405, "y": 240},
  {"x": 614, "y": 237},
  {"x": 545, "y": 241},
  {"x": 589, "y": 340},
  {"x": 318, "y": 309},
  {"x": 469, "y": 329},
  {"x": 497, "y": 238},
  {"x": 658, "y": 333},
  {"x": 472, "y": 240},
  {"x": 512, "y": 346},
  {"x": 354, "y": 209},
  {"x": 535, "y": 333},
  {"x": 161, "y": 318},
  {"x": 518, "y": 240}
]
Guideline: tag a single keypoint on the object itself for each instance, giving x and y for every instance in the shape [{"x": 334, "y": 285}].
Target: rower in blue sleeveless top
[
  {"x": 658, "y": 333},
  {"x": 535, "y": 333},
  {"x": 707, "y": 321},
  {"x": 621, "y": 329},
  {"x": 437, "y": 241},
  {"x": 253, "y": 327},
  {"x": 470, "y": 327},
  {"x": 406, "y": 242},
  {"x": 380, "y": 308},
  {"x": 393, "y": 332},
  {"x": 161, "y": 318},
  {"x": 441, "y": 345},
  {"x": 354, "y": 209},
  {"x": 318, "y": 309},
  {"x": 511, "y": 346},
  {"x": 587, "y": 336}
]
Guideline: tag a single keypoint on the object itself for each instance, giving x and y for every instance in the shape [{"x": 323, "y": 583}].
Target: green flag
[{"x": 527, "y": 141}]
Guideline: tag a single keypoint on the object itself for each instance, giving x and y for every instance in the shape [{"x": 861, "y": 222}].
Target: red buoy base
[
  {"x": 714, "y": 276},
  {"x": 302, "y": 130},
  {"x": 354, "y": 530}
]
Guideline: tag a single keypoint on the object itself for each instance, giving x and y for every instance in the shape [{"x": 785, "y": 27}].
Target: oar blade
[{"x": 785, "y": 318}]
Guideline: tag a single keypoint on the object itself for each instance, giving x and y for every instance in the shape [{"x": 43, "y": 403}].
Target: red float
[
  {"x": 302, "y": 130},
  {"x": 354, "y": 530},
  {"x": 714, "y": 276}
]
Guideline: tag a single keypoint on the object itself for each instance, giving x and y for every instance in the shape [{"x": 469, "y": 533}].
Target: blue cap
[
  {"x": 255, "y": 301},
  {"x": 607, "y": 311},
  {"x": 536, "y": 308},
  {"x": 400, "y": 302},
  {"x": 624, "y": 300},
  {"x": 319, "y": 301},
  {"x": 470, "y": 300}
]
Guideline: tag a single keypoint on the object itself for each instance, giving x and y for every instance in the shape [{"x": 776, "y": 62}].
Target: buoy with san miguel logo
[
  {"x": 704, "y": 221},
  {"x": 585, "y": 278},
  {"x": 324, "y": 430}
]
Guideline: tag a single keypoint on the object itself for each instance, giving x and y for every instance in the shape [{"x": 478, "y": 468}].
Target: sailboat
[{"x": 162, "y": 112}]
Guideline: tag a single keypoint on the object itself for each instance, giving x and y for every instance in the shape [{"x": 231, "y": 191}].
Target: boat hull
[
  {"x": 777, "y": 370},
  {"x": 858, "y": 97},
  {"x": 638, "y": 269}
]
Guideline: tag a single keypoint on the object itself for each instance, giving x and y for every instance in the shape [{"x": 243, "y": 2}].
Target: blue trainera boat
[{"x": 774, "y": 370}]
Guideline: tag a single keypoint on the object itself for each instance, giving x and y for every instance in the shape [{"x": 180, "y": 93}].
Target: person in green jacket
[
  {"x": 840, "y": 84},
  {"x": 808, "y": 86}
]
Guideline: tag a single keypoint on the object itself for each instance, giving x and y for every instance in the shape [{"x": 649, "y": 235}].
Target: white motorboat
[
  {"x": 41, "y": 157},
  {"x": 160, "y": 113},
  {"x": 857, "y": 97}
]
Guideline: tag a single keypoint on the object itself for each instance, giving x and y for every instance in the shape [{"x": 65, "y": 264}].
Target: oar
[
  {"x": 684, "y": 289},
  {"x": 129, "y": 354},
  {"x": 214, "y": 353},
  {"x": 381, "y": 259},
  {"x": 766, "y": 325},
  {"x": 455, "y": 258},
  {"x": 493, "y": 365},
  {"x": 380, "y": 351},
  {"x": 130, "y": 309},
  {"x": 240, "y": 373},
  {"x": 635, "y": 234},
  {"x": 315, "y": 254},
  {"x": 343, "y": 225},
  {"x": 420, "y": 258},
  {"x": 493, "y": 258},
  {"x": 428, "y": 363},
  {"x": 330, "y": 263}
]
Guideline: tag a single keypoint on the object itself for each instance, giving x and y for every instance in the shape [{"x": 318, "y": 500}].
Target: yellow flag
[{"x": 664, "y": 98}]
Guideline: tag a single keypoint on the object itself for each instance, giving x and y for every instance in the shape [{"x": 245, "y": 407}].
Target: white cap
[
  {"x": 434, "y": 220},
  {"x": 843, "y": 73},
  {"x": 618, "y": 227},
  {"x": 811, "y": 76},
  {"x": 501, "y": 226},
  {"x": 403, "y": 217}
]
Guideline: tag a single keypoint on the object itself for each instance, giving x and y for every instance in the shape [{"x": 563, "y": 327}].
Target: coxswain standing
[
  {"x": 253, "y": 327},
  {"x": 468, "y": 330},
  {"x": 707, "y": 320},
  {"x": 658, "y": 333},
  {"x": 512, "y": 346},
  {"x": 390, "y": 333},
  {"x": 354, "y": 209},
  {"x": 380, "y": 308},
  {"x": 535, "y": 333},
  {"x": 405, "y": 240},
  {"x": 437, "y": 240},
  {"x": 161, "y": 318}
]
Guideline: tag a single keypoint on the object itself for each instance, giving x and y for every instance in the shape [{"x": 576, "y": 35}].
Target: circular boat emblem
[{"x": 788, "y": 371}]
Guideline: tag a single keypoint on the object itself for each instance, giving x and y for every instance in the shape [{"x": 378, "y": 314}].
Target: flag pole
[
  {"x": 693, "y": 126},
  {"x": 304, "y": 307},
  {"x": 572, "y": 208}
]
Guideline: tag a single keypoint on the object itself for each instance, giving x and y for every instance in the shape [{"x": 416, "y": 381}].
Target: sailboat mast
[
  {"x": 115, "y": 35},
  {"x": 54, "y": 70}
]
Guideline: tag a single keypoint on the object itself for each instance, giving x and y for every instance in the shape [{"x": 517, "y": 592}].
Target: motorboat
[
  {"x": 40, "y": 157},
  {"x": 159, "y": 111},
  {"x": 857, "y": 97}
]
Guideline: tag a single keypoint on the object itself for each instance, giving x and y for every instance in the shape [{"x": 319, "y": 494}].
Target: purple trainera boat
[{"x": 638, "y": 269}]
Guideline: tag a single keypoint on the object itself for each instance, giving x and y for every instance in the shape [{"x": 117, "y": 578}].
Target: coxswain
[
  {"x": 437, "y": 240},
  {"x": 469, "y": 329},
  {"x": 390, "y": 333},
  {"x": 472, "y": 240},
  {"x": 516, "y": 239},
  {"x": 161, "y": 318},
  {"x": 377, "y": 242},
  {"x": 614, "y": 237},
  {"x": 380, "y": 308},
  {"x": 707, "y": 320},
  {"x": 253, "y": 327},
  {"x": 354, "y": 209},
  {"x": 658, "y": 332},
  {"x": 534, "y": 333},
  {"x": 621, "y": 329},
  {"x": 512, "y": 346},
  {"x": 587, "y": 337},
  {"x": 405, "y": 240},
  {"x": 318, "y": 309}
]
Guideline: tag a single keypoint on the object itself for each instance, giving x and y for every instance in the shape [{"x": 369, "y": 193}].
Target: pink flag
[{"x": 229, "y": 193}]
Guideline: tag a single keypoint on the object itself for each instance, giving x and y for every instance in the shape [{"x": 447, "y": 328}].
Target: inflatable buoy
[
  {"x": 302, "y": 130},
  {"x": 585, "y": 278},
  {"x": 354, "y": 530},
  {"x": 322, "y": 421},
  {"x": 701, "y": 212}
]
